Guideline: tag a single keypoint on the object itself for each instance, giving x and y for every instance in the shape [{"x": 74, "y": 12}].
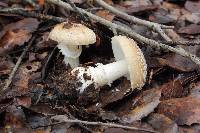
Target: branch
[
  {"x": 25, "y": 13},
  {"x": 63, "y": 118},
  {"x": 130, "y": 32},
  {"x": 83, "y": 16},
  {"x": 154, "y": 26}
]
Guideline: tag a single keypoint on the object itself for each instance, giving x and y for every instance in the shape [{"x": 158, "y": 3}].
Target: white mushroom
[
  {"x": 130, "y": 62},
  {"x": 70, "y": 38}
]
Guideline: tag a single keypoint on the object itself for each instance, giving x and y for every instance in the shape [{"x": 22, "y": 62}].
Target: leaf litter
[{"x": 168, "y": 103}]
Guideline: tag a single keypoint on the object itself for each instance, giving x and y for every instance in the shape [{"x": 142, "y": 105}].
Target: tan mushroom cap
[
  {"x": 126, "y": 49},
  {"x": 72, "y": 34}
]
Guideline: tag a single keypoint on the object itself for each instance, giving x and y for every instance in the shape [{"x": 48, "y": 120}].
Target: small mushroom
[
  {"x": 130, "y": 62},
  {"x": 70, "y": 38}
]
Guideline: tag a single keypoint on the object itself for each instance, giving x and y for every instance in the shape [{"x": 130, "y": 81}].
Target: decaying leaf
[
  {"x": 192, "y": 6},
  {"x": 136, "y": 6},
  {"x": 16, "y": 34},
  {"x": 162, "y": 123},
  {"x": 14, "y": 118},
  {"x": 5, "y": 66},
  {"x": 135, "y": 124},
  {"x": 175, "y": 88},
  {"x": 24, "y": 74},
  {"x": 191, "y": 129},
  {"x": 179, "y": 62},
  {"x": 191, "y": 29},
  {"x": 105, "y": 14},
  {"x": 184, "y": 110},
  {"x": 140, "y": 106}
]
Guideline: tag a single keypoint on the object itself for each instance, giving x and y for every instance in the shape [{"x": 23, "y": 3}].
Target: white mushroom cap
[
  {"x": 134, "y": 58},
  {"x": 70, "y": 37},
  {"x": 72, "y": 34}
]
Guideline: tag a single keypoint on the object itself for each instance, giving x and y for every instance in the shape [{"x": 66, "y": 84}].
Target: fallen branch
[
  {"x": 25, "y": 13},
  {"x": 83, "y": 16},
  {"x": 63, "y": 118},
  {"x": 182, "y": 42},
  {"x": 154, "y": 26},
  {"x": 12, "y": 74},
  {"x": 130, "y": 32}
]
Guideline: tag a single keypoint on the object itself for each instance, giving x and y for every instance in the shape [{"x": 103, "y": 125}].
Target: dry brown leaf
[
  {"x": 189, "y": 129},
  {"x": 24, "y": 74},
  {"x": 105, "y": 14},
  {"x": 139, "y": 107},
  {"x": 14, "y": 118},
  {"x": 24, "y": 101},
  {"x": 135, "y": 6},
  {"x": 179, "y": 62},
  {"x": 184, "y": 111},
  {"x": 12, "y": 39},
  {"x": 162, "y": 123},
  {"x": 16, "y": 34},
  {"x": 135, "y": 124},
  {"x": 175, "y": 88},
  {"x": 190, "y": 29},
  {"x": 5, "y": 66},
  {"x": 192, "y": 6}
]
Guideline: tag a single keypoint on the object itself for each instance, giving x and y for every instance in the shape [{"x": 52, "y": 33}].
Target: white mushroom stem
[
  {"x": 101, "y": 74},
  {"x": 71, "y": 53}
]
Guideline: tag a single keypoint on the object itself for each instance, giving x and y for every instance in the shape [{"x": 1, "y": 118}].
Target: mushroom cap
[
  {"x": 126, "y": 49},
  {"x": 72, "y": 34}
]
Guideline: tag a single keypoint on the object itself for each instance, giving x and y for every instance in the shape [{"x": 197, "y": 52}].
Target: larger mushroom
[
  {"x": 130, "y": 62},
  {"x": 70, "y": 38}
]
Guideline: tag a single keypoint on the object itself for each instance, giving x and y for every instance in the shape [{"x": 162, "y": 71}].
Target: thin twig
[
  {"x": 14, "y": 70},
  {"x": 25, "y": 13},
  {"x": 154, "y": 26},
  {"x": 182, "y": 42},
  {"x": 63, "y": 118},
  {"x": 83, "y": 16},
  {"x": 130, "y": 32}
]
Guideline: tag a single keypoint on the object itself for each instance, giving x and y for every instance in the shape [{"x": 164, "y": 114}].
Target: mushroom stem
[
  {"x": 73, "y": 62},
  {"x": 101, "y": 74},
  {"x": 71, "y": 54}
]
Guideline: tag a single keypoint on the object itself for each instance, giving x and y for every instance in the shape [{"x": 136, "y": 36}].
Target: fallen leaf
[
  {"x": 135, "y": 6},
  {"x": 24, "y": 101},
  {"x": 179, "y": 62},
  {"x": 23, "y": 76},
  {"x": 5, "y": 66},
  {"x": 162, "y": 123},
  {"x": 191, "y": 29},
  {"x": 14, "y": 118},
  {"x": 105, "y": 14},
  {"x": 141, "y": 125},
  {"x": 192, "y": 6},
  {"x": 12, "y": 39},
  {"x": 174, "y": 88},
  {"x": 16, "y": 34},
  {"x": 139, "y": 107},
  {"x": 184, "y": 111},
  {"x": 191, "y": 129}
]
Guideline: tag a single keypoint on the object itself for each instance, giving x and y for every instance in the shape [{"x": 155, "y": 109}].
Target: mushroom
[
  {"x": 70, "y": 38},
  {"x": 130, "y": 62}
]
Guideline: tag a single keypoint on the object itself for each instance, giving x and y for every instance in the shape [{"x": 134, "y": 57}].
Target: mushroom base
[{"x": 100, "y": 75}]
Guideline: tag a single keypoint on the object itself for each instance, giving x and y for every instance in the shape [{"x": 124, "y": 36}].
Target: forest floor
[{"x": 38, "y": 95}]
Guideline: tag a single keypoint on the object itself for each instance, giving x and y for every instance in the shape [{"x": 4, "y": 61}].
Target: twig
[
  {"x": 183, "y": 42},
  {"x": 130, "y": 32},
  {"x": 63, "y": 118},
  {"x": 12, "y": 74},
  {"x": 83, "y": 16},
  {"x": 25, "y": 13},
  {"x": 154, "y": 26}
]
